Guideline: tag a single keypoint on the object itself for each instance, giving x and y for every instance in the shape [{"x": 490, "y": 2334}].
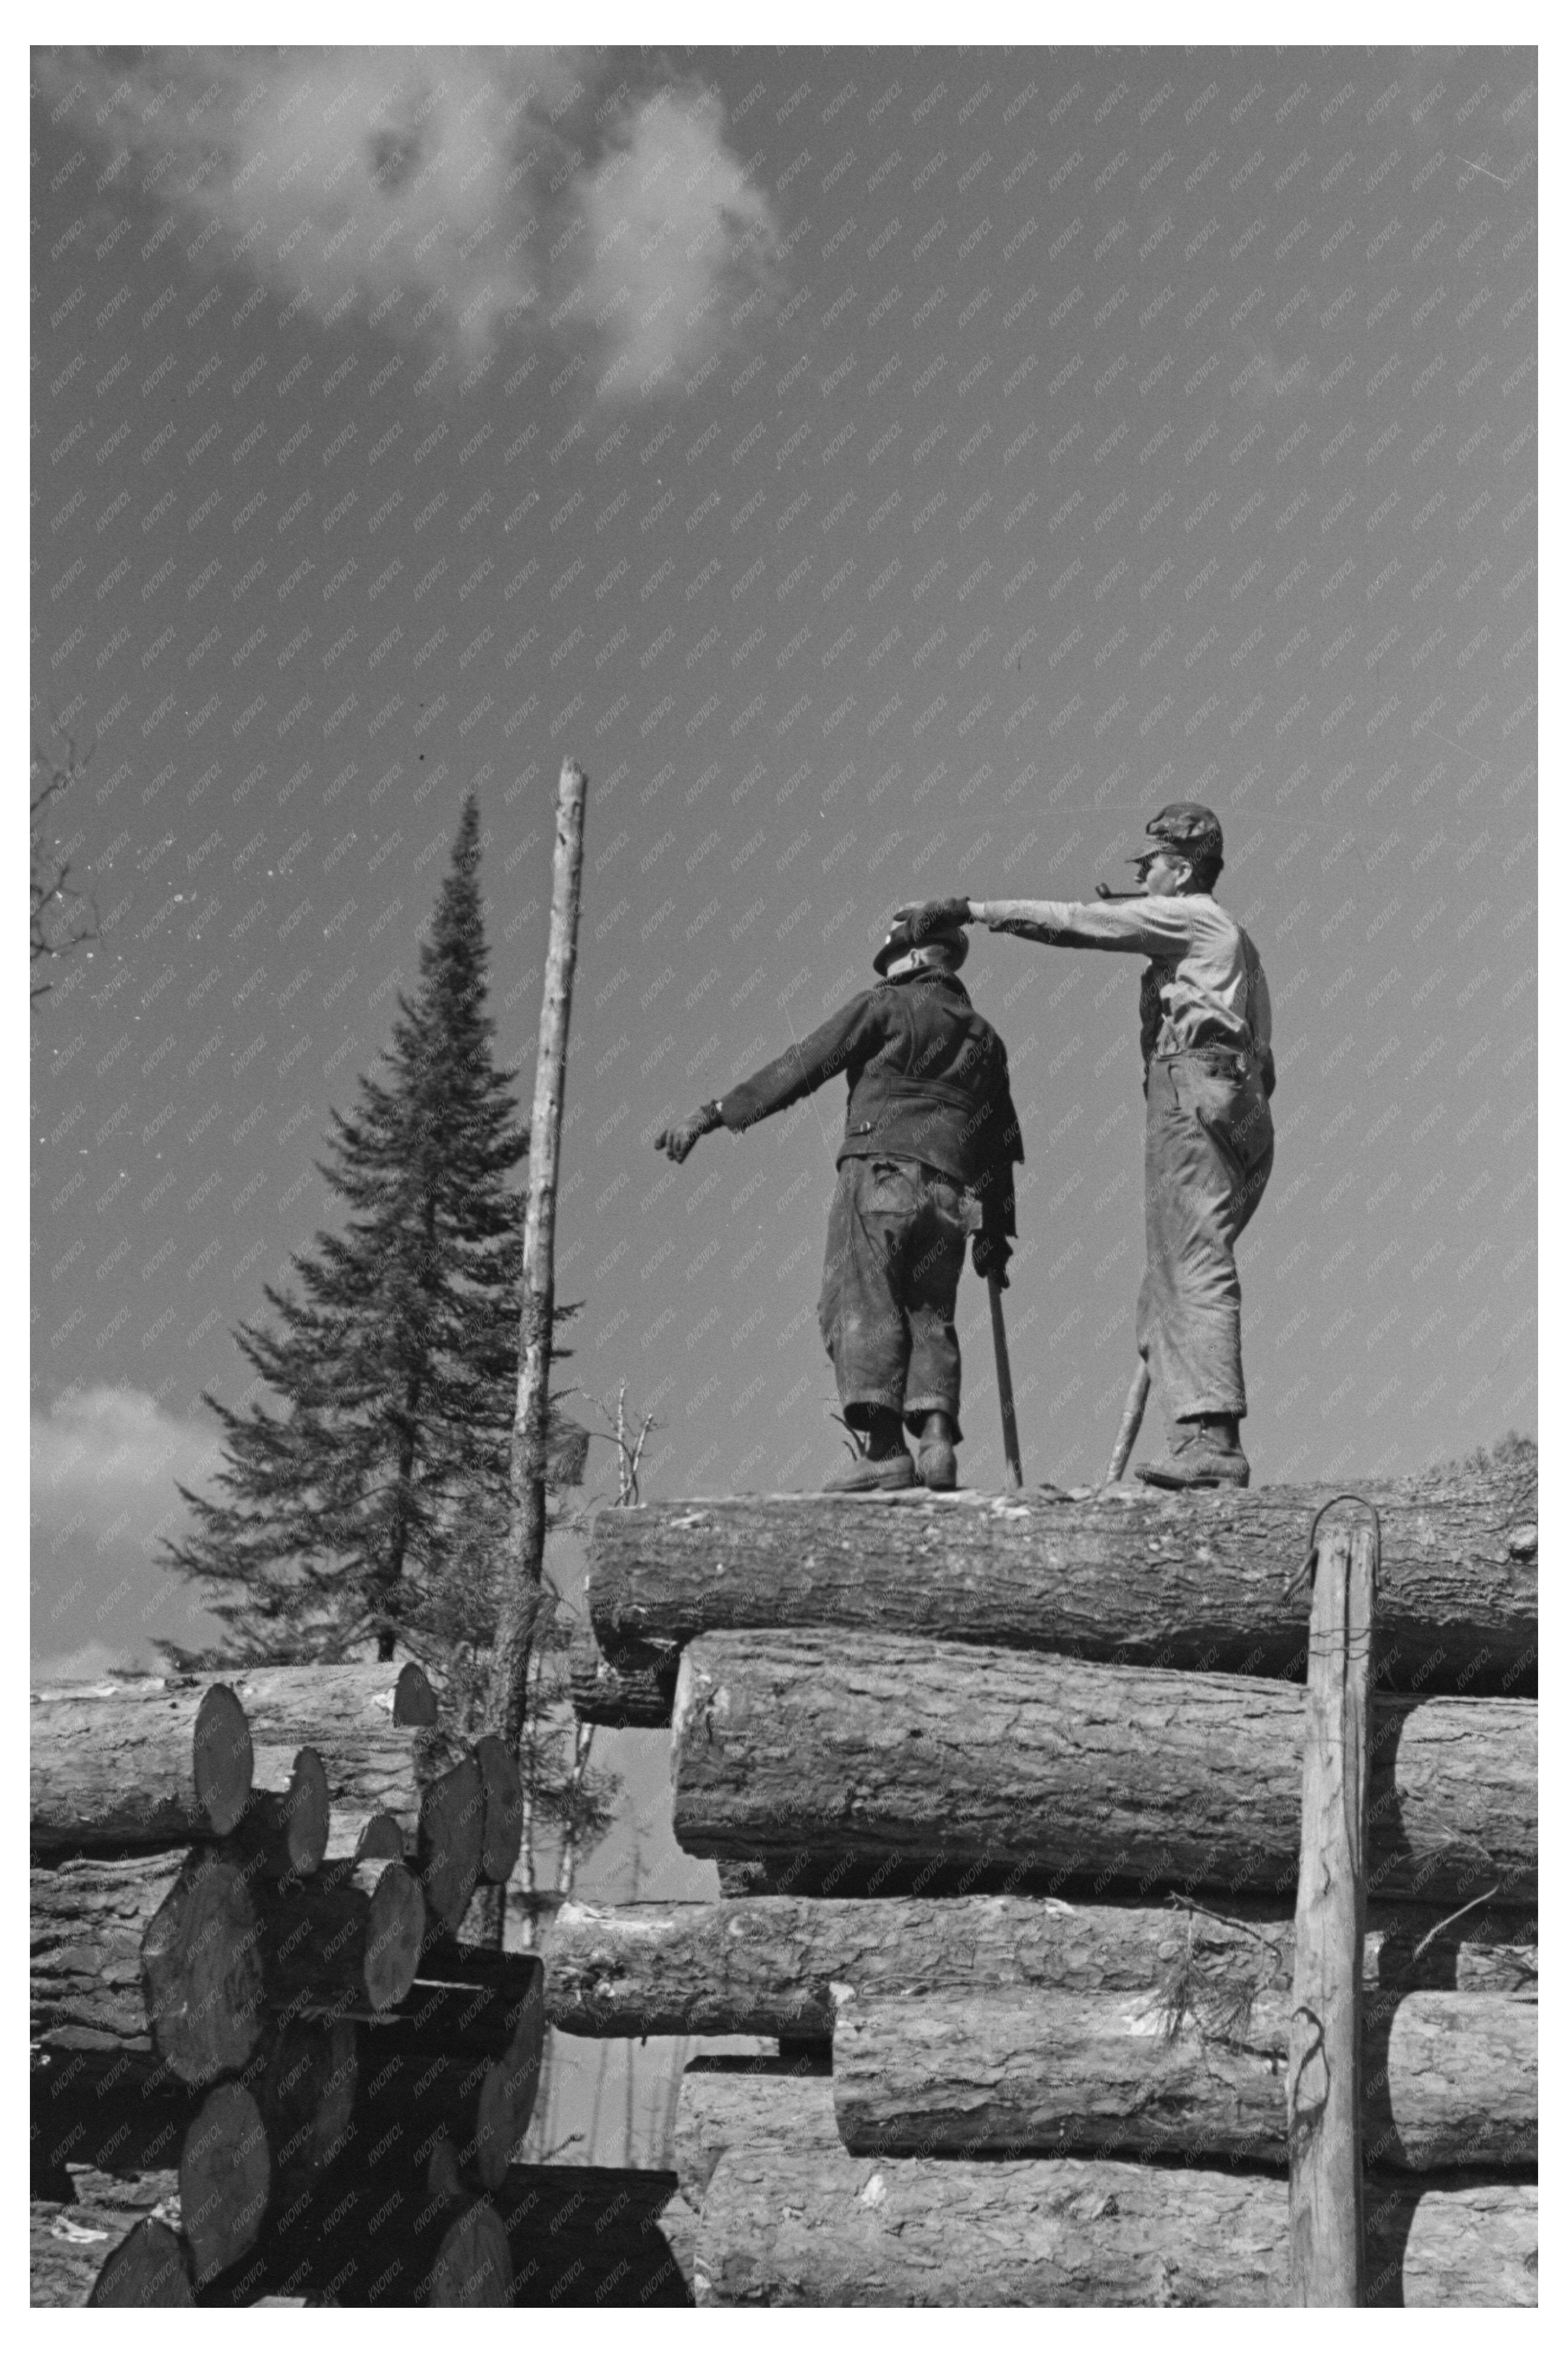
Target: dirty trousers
[
  {"x": 1208, "y": 1152},
  {"x": 895, "y": 1248}
]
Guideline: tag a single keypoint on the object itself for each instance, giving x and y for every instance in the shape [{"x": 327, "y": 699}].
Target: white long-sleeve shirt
[{"x": 1204, "y": 984}]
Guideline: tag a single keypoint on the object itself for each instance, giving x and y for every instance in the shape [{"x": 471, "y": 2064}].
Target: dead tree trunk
[
  {"x": 767, "y": 1965},
  {"x": 1192, "y": 1581},
  {"x": 895, "y": 1749},
  {"x": 814, "y": 2227},
  {"x": 1450, "y": 2078}
]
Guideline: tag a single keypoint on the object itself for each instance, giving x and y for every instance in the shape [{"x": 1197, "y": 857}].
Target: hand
[
  {"x": 679, "y": 1138},
  {"x": 992, "y": 1252},
  {"x": 924, "y": 915}
]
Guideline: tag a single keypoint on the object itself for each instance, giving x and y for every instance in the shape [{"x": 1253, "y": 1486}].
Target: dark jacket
[{"x": 927, "y": 1081}]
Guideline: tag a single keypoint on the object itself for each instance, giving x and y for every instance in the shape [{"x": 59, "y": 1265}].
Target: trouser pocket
[{"x": 1225, "y": 1094}]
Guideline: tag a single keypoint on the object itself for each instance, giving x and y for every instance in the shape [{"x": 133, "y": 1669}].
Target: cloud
[
  {"x": 457, "y": 197},
  {"x": 104, "y": 1466}
]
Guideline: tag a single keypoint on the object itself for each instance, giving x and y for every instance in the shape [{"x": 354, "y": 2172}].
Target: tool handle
[
  {"x": 1131, "y": 1422},
  {"x": 1005, "y": 1387}
]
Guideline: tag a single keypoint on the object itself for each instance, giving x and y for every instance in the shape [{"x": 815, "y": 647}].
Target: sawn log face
[
  {"x": 767, "y": 1965},
  {"x": 1197, "y": 1580},
  {"x": 1107, "y": 1777},
  {"x": 1449, "y": 2079}
]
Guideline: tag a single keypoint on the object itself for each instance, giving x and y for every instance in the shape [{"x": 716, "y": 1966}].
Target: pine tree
[{"x": 396, "y": 1358}]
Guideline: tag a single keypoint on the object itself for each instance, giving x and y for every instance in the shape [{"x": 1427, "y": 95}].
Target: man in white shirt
[{"x": 1206, "y": 1034}]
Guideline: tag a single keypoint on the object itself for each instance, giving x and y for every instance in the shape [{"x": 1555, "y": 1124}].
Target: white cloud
[
  {"x": 454, "y": 196},
  {"x": 104, "y": 1466}
]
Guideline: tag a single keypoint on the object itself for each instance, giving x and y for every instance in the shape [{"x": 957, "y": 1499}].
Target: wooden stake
[
  {"x": 1323, "y": 2078},
  {"x": 525, "y": 1563}
]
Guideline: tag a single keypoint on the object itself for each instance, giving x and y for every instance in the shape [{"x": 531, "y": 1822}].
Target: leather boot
[{"x": 1205, "y": 1452}]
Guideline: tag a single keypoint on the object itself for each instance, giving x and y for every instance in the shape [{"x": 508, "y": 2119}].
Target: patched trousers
[
  {"x": 1208, "y": 1152},
  {"x": 890, "y": 1284}
]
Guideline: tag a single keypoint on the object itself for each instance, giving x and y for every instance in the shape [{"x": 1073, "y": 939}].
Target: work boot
[
  {"x": 1204, "y": 1453},
  {"x": 936, "y": 1464},
  {"x": 872, "y": 1474}
]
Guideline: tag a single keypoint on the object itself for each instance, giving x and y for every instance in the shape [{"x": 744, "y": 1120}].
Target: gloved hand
[
  {"x": 925, "y": 915},
  {"x": 992, "y": 1252},
  {"x": 1265, "y": 1070},
  {"x": 678, "y": 1138}
]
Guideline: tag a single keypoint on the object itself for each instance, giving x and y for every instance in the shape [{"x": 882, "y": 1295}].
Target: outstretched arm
[
  {"x": 1149, "y": 927},
  {"x": 852, "y": 1034}
]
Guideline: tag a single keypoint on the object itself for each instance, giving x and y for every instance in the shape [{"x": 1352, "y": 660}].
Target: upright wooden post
[
  {"x": 1323, "y": 2084},
  {"x": 524, "y": 1566}
]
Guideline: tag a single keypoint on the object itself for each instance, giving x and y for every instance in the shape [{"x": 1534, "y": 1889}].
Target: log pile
[
  {"x": 1006, "y": 1796},
  {"x": 260, "y": 2032}
]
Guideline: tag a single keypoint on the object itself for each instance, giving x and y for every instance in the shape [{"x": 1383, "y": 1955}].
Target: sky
[{"x": 890, "y": 474}]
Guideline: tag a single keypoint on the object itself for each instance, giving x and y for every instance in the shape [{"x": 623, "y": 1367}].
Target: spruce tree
[{"x": 395, "y": 1359}]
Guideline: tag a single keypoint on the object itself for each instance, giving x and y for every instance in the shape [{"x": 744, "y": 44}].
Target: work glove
[
  {"x": 678, "y": 1139},
  {"x": 924, "y": 915},
  {"x": 992, "y": 1252},
  {"x": 1265, "y": 1070}
]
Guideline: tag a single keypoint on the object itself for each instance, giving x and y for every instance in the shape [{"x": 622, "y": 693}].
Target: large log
[
  {"x": 148, "y": 2268},
  {"x": 1195, "y": 1580},
  {"x": 892, "y": 1747},
  {"x": 767, "y": 1965},
  {"x": 816, "y": 2227},
  {"x": 1448, "y": 2079},
  {"x": 116, "y": 1765},
  {"x": 226, "y": 2175},
  {"x": 87, "y": 1920}
]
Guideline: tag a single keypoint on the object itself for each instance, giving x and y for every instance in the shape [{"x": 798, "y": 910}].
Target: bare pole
[
  {"x": 1323, "y": 2086},
  {"x": 525, "y": 1550}
]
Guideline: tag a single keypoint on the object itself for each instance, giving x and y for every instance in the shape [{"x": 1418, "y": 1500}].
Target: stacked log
[
  {"x": 1205, "y": 1580},
  {"x": 220, "y": 2007},
  {"x": 1006, "y": 1794}
]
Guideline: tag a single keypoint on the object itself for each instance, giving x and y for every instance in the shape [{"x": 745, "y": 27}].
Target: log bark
[
  {"x": 767, "y": 1965},
  {"x": 225, "y": 2175},
  {"x": 114, "y": 1765},
  {"x": 88, "y": 1919},
  {"x": 749, "y": 2105},
  {"x": 816, "y": 2228},
  {"x": 627, "y": 1689},
  {"x": 1192, "y": 1581},
  {"x": 1449, "y": 2078},
  {"x": 149, "y": 2267},
  {"x": 889, "y": 1749}
]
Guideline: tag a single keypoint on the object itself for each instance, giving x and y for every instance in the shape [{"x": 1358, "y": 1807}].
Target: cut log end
[
  {"x": 308, "y": 2093},
  {"x": 395, "y": 1936},
  {"x": 148, "y": 2268},
  {"x": 413, "y": 1700},
  {"x": 473, "y": 2265},
  {"x": 381, "y": 1840},
  {"x": 225, "y": 2175},
  {"x": 451, "y": 1841},
  {"x": 223, "y": 1759},
  {"x": 307, "y": 1813},
  {"x": 202, "y": 1972}
]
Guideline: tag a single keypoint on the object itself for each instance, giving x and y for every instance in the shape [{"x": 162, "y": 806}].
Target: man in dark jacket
[{"x": 927, "y": 1159}]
